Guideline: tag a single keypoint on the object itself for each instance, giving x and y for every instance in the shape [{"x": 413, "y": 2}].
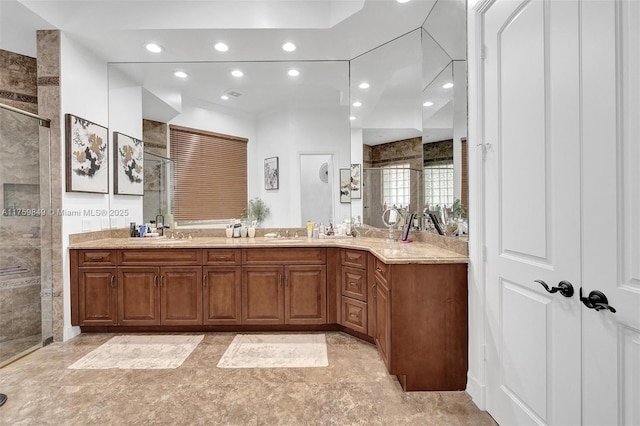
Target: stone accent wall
[
  {"x": 155, "y": 135},
  {"x": 399, "y": 152},
  {"x": 18, "y": 86},
  {"x": 438, "y": 153}
]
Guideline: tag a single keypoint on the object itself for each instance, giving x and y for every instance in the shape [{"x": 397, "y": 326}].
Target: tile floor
[{"x": 354, "y": 389}]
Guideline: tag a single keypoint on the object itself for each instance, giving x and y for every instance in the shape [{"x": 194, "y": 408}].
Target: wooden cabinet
[
  {"x": 265, "y": 297},
  {"x": 354, "y": 309},
  {"x": 382, "y": 333},
  {"x": 181, "y": 295},
  {"x": 222, "y": 288},
  {"x": 170, "y": 295},
  {"x": 138, "y": 296},
  {"x": 305, "y": 295},
  {"x": 262, "y": 295},
  {"x": 97, "y": 295}
]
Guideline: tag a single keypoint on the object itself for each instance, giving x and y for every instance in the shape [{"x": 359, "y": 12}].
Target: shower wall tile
[
  {"x": 18, "y": 81},
  {"x": 155, "y": 134}
]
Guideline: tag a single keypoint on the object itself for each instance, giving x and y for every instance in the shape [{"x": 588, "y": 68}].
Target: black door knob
[
  {"x": 596, "y": 300},
  {"x": 564, "y": 287}
]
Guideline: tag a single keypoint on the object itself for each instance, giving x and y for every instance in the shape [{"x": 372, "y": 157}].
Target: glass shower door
[{"x": 25, "y": 231}]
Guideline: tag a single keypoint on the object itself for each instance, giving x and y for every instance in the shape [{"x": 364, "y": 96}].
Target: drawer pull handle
[
  {"x": 204, "y": 281},
  {"x": 96, "y": 257},
  {"x": 112, "y": 281},
  {"x": 155, "y": 281},
  {"x": 352, "y": 315},
  {"x": 222, "y": 257},
  {"x": 378, "y": 269},
  {"x": 352, "y": 258}
]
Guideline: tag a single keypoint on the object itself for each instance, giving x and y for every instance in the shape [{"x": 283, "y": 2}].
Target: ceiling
[{"x": 327, "y": 33}]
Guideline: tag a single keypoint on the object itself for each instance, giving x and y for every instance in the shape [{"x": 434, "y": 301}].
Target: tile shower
[{"x": 25, "y": 233}]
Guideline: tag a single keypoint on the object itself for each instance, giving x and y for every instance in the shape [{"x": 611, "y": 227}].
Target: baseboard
[{"x": 477, "y": 392}]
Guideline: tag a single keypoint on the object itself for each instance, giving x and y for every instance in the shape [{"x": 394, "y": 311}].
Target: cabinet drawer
[
  {"x": 285, "y": 256},
  {"x": 96, "y": 257},
  {"x": 381, "y": 269},
  {"x": 353, "y": 258},
  {"x": 354, "y": 314},
  {"x": 354, "y": 283},
  {"x": 160, "y": 257},
  {"x": 222, "y": 257}
]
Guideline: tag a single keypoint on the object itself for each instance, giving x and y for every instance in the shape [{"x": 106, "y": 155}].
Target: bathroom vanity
[{"x": 409, "y": 300}]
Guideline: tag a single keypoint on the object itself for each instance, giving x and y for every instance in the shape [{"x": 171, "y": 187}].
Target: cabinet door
[
  {"x": 262, "y": 295},
  {"x": 354, "y": 314},
  {"x": 181, "y": 295},
  {"x": 305, "y": 296},
  {"x": 138, "y": 296},
  {"x": 383, "y": 321},
  {"x": 222, "y": 295},
  {"x": 97, "y": 296}
]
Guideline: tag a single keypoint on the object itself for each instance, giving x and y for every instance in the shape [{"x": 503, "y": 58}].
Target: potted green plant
[
  {"x": 458, "y": 211},
  {"x": 257, "y": 211}
]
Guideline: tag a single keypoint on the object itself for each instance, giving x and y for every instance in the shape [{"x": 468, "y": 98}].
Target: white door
[
  {"x": 611, "y": 210},
  {"x": 531, "y": 117}
]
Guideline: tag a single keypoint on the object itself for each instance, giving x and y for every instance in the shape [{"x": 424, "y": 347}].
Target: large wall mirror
[
  {"x": 409, "y": 123},
  {"x": 293, "y": 114}
]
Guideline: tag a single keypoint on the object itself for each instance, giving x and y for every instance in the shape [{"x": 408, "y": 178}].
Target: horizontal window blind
[{"x": 210, "y": 176}]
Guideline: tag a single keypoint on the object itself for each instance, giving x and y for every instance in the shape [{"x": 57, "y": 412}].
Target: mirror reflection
[
  {"x": 414, "y": 140},
  {"x": 286, "y": 114}
]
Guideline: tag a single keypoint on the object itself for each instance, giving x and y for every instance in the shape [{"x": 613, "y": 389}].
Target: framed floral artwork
[
  {"x": 87, "y": 144},
  {"x": 271, "y": 173},
  {"x": 128, "y": 175},
  {"x": 345, "y": 185},
  {"x": 356, "y": 181}
]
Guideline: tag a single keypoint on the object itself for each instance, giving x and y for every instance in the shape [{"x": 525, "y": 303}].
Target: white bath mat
[
  {"x": 276, "y": 351},
  {"x": 140, "y": 352}
]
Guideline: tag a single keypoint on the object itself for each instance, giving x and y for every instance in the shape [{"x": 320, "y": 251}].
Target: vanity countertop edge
[{"x": 388, "y": 252}]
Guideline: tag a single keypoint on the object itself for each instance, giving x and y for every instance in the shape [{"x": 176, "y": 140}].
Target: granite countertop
[{"x": 388, "y": 252}]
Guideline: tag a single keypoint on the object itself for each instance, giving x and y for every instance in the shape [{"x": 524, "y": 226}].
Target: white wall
[
  {"x": 125, "y": 116},
  {"x": 84, "y": 93},
  {"x": 287, "y": 134}
]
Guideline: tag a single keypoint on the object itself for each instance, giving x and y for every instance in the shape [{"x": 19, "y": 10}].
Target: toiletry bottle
[
  {"x": 316, "y": 231},
  {"x": 309, "y": 229},
  {"x": 321, "y": 231}
]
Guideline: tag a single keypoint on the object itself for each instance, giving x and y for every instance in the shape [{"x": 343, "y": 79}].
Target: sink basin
[{"x": 154, "y": 241}]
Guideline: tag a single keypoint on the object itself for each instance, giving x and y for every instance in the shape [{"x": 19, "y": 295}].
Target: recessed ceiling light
[
  {"x": 288, "y": 47},
  {"x": 181, "y": 74},
  {"x": 221, "y": 47},
  {"x": 403, "y": 1},
  {"x": 153, "y": 47},
  {"x": 224, "y": 97},
  {"x": 237, "y": 73},
  {"x": 447, "y": 85},
  {"x": 428, "y": 103},
  {"x": 293, "y": 73},
  {"x": 364, "y": 85},
  {"x": 357, "y": 104},
  {"x": 352, "y": 118}
]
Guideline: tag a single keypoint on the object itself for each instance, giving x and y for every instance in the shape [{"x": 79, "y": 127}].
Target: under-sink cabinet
[{"x": 294, "y": 292}]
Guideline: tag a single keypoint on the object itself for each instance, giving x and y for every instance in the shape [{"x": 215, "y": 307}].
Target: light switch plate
[{"x": 86, "y": 224}]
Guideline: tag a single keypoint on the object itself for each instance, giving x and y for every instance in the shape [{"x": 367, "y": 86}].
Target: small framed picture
[
  {"x": 128, "y": 159},
  {"x": 271, "y": 173},
  {"x": 356, "y": 181},
  {"x": 345, "y": 185},
  {"x": 87, "y": 162}
]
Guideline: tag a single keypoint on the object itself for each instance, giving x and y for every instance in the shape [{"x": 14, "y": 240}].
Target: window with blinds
[{"x": 210, "y": 174}]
